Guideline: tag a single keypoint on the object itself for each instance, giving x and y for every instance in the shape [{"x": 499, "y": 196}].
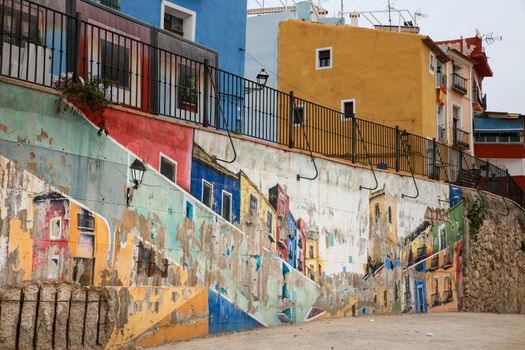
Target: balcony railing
[
  {"x": 448, "y": 259},
  {"x": 461, "y": 139},
  {"x": 434, "y": 263},
  {"x": 421, "y": 253},
  {"x": 459, "y": 83},
  {"x": 160, "y": 81}
]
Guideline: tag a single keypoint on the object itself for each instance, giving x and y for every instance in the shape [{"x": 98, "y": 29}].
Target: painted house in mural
[
  {"x": 313, "y": 267},
  {"x": 257, "y": 214},
  {"x": 499, "y": 139},
  {"x": 292, "y": 241},
  {"x": 300, "y": 256},
  {"x": 432, "y": 256},
  {"x": 281, "y": 203},
  {"x": 383, "y": 229},
  {"x": 215, "y": 186},
  {"x": 219, "y": 25}
]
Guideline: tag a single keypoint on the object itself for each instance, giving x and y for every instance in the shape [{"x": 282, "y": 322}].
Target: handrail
[
  {"x": 403, "y": 143},
  {"x": 367, "y": 157},
  {"x": 221, "y": 113},
  {"x": 299, "y": 177}
]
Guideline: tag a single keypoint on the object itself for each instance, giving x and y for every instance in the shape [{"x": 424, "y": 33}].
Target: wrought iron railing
[
  {"x": 164, "y": 82},
  {"x": 459, "y": 83}
]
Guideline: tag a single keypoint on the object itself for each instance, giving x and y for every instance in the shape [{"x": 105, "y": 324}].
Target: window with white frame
[
  {"x": 348, "y": 108},
  {"x": 55, "y": 228},
  {"x": 178, "y": 20},
  {"x": 207, "y": 193},
  {"x": 432, "y": 63},
  {"x": 189, "y": 210},
  {"x": 226, "y": 210},
  {"x": 323, "y": 58},
  {"x": 168, "y": 168}
]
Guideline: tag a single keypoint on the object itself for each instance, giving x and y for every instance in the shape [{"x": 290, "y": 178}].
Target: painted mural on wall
[{"x": 236, "y": 252}]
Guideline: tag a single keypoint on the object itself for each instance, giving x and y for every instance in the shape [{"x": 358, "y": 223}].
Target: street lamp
[
  {"x": 137, "y": 173},
  {"x": 262, "y": 79}
]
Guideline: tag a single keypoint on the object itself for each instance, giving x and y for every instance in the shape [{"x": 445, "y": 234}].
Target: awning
[{"x": 497, "y": 125}]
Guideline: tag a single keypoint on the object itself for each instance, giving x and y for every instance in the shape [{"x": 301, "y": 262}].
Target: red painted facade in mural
[
  {"x": 51, "y": 243},
  {"x": 281, "y": 203},
  {"x": 301, "y": 247},
  {"x": 149, "y": 138}
]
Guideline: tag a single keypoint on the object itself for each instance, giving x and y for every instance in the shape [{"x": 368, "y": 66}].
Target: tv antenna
[
  {"x": 420, "y": 14},
  {"x": 490, "y": 39}
]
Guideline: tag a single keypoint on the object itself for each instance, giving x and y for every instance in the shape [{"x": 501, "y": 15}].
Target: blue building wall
[
  {"x": 226, "y": 317},
  {"x": 220, "y": 181},
  {"x": 292, "y": 241},
  {"x": 221, "y": 25}
]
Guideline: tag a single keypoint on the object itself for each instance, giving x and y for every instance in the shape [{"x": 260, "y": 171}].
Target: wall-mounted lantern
[
  {"x": 262, "y": 79},
  {"x": 137, "y": 173}
]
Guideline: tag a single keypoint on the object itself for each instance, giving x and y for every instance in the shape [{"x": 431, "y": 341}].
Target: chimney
[{"x": 354, "y": 18}]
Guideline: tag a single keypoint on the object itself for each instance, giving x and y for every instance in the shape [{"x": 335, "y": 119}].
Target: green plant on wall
[
  {"x": 477, "y": 215},
  {"x": 88, "y": 95}
]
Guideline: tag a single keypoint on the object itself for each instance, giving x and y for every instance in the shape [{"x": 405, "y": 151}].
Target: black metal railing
[
  {"x": 160, "y": 81},
  {"x": 434, "y": 263},
  {"x": 461, "y": 139},
  {"x": 436, "y": 299},
  {"x": 459, "y": 83}
]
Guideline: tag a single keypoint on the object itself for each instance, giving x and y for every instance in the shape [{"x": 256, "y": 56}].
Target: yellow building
[
  {"x": 312, "y": 261},
  {"x": 257, "y": 215},
  {"x": 385, "y": 77}
]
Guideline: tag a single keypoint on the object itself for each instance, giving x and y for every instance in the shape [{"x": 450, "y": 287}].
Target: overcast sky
[{"x": 450, "y": 19}]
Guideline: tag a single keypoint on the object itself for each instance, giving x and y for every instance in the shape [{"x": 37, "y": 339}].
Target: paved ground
[{"x": 437, "y": 331}]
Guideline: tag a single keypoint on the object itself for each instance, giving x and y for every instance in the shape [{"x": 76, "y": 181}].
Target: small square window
[
  {"x": 298, "y": 115},
  {"x": 174, "y": 24},
  {"x": 55, "y": 228},
  {"x": 168, "y": 168},
  {"x": 226, "y": 211},
  {"x": 207, "y": 193},
  {"x": 324, "y": 58}
]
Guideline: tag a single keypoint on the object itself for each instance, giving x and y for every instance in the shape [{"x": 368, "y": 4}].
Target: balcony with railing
[
  {"x": 181, "y": 81},
  {"x": 459, "y": 83},
  {"x": 461, "y": 139},
  {"x": 434, "y": 263},
  {"x": 448, "y": 259}
]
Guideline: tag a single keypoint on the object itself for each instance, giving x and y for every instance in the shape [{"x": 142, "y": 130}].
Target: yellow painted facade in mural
[
  {"x": 383, "y": 223},
  {"x": 256, "y": 211},
  {"x": 313, "y": 261},
  {"x": 389, "y": 77}
]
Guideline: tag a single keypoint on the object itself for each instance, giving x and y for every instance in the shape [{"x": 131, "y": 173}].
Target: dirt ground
[{"x": 432, "y": 331}]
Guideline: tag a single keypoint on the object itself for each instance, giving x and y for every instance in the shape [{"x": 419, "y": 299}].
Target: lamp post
[
  {"x": 137, "y": 173},
  {"x": 262, "y": 79}
]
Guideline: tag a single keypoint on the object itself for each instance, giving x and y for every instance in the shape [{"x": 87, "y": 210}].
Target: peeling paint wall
[{"x": 172, "y": 269}]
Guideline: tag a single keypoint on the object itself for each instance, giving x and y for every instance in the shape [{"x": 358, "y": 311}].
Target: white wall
[{"x": 333, "y": 202}]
